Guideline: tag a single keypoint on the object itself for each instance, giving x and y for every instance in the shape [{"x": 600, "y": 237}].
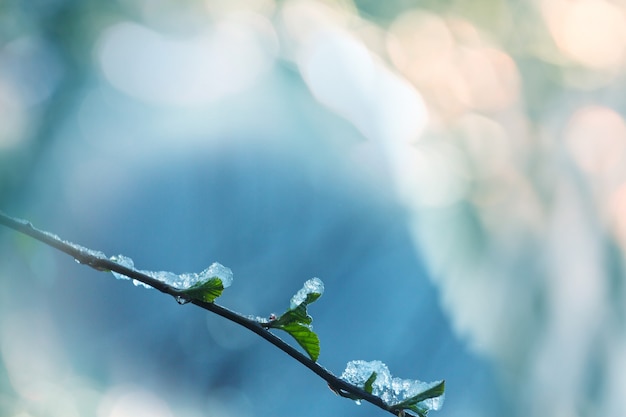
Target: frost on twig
[{"x": 183, "y": 282}]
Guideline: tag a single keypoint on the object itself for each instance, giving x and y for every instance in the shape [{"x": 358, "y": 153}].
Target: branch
[
  {"x": 100, "y": 262},
  {"x": 359, "y": 381}
]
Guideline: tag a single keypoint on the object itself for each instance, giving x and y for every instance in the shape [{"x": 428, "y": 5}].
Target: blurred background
[{"x": 453, "y": 171}]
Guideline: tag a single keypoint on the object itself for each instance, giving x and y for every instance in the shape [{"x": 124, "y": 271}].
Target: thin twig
[{"x": 99, "y": 261}]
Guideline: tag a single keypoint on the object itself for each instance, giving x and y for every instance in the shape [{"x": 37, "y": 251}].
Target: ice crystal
[
  {"x": 391, "y": 390},
  {"x": 178, "y": 281},
  {"x": 312, "y": 286}
]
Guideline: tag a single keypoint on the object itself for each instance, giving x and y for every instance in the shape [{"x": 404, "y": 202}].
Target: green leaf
[
  {"x": 205, "y": 291},
  {"x": 421, "y": 411},
  {"x": 297, "y": 315},
  {"x": 370, "y": 381},
  {"x": 311, "y": 297},
  {"x": 412, "y": 403},
  {"x": 297, "y": 322},
  {"x": 306, "y": 338}
]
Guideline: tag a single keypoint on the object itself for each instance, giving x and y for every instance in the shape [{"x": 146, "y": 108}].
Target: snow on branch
[{"x": 361, "y": 381}]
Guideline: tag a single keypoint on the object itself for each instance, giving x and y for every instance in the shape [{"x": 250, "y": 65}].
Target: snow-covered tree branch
[{"x": 361, "y": 380}]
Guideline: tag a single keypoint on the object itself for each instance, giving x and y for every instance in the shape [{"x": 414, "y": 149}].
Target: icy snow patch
[
  {"x": 314, "y": 285},
  {"x": 82, "y": 249},
  {"x": 128, "y": 263},
  {"x": 178, "y": 281},
  {"x": 391, "y": 390}
]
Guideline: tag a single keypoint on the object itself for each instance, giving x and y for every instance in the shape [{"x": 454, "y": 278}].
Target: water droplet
[{"x": 181, "y": 300}]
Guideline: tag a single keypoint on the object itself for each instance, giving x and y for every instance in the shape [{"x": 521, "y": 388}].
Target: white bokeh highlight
[{"x": 187, "y": 71}]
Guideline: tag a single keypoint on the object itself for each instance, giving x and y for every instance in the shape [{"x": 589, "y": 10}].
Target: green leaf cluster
[
  {"x": 413, "y": 405},
  {"x": 206, "y": 291},
  {"x": 297, "y": 322}
]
